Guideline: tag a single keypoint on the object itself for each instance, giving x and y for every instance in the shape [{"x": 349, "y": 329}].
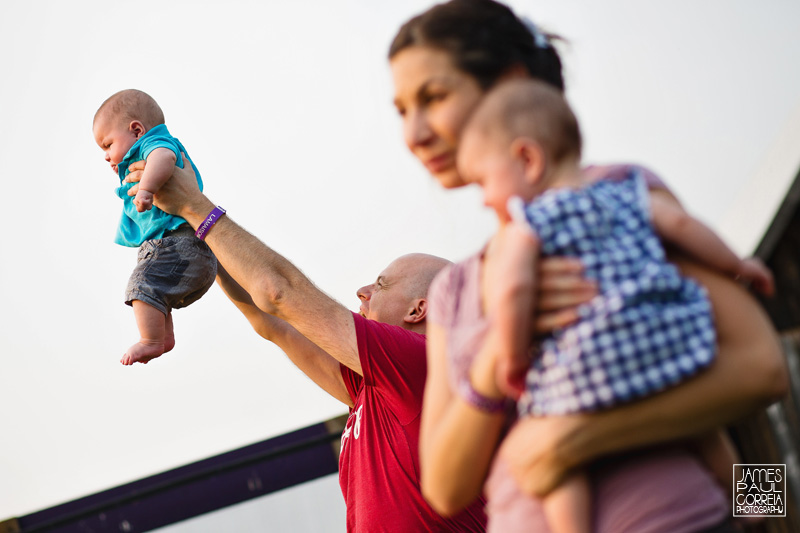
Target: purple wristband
[
  {"x": 481, "y": 402},
  {"x": 210, "y": 220}
]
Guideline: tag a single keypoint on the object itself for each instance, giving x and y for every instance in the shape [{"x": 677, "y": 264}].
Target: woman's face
[{"x": 434, "y": 99}]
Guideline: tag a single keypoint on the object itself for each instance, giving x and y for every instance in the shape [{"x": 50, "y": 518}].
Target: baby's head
[
  {"x": 518, "y": 141},
  {"x": 121, "y": 120}
]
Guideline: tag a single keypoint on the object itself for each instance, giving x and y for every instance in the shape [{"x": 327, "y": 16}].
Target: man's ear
[
  {"x": 137, "y": 128},
  {"x": 532, "y": 156},
  {"x": 418, "y": 312}
]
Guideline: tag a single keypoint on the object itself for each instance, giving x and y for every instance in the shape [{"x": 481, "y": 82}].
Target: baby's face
[
  {"x": 114, "y": 137},
  {"x": 492, "y": 167}
]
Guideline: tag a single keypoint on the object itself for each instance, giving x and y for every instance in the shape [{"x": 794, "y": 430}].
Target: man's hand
[{"x": 176, "y": 193}]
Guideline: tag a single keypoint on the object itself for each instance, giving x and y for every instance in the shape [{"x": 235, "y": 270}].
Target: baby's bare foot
[{"x": 142, "y": 353}]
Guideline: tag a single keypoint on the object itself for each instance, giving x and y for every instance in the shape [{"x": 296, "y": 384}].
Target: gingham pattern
[{"x": 648, "y": 329}]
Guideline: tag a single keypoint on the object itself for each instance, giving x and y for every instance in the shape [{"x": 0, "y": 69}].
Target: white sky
[{"x": 286, "y": 109}]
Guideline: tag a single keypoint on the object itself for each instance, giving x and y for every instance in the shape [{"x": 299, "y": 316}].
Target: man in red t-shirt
[
  {"x": 382, "y": 382},
  {"x": 373, "y": 362}
]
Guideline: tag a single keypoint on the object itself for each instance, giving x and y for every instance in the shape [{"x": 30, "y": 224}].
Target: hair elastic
[
  {"x": 539, "y": 38},
  {"x": 210, "y": 220},
  {"x": 481, "y": 402}
]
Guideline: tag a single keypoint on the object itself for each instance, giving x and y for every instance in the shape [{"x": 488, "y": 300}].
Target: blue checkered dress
[{"x": 649, "y": 328}]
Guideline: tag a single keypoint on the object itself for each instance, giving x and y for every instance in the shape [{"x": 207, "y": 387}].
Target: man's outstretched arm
[
  {"x": 312, "y": 360},
  {"x": 277, "y": 287}
]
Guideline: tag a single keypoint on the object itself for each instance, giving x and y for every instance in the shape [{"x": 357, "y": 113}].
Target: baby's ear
[
  {"x": 137, "y": 128},
  {"x": 531, "y": 154}
]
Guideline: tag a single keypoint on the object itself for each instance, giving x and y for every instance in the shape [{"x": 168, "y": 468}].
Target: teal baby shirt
[{"x": 134, "y": 227}]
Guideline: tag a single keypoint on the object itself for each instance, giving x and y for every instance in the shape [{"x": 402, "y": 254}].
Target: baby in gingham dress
[{"x": 648, "y": 329}]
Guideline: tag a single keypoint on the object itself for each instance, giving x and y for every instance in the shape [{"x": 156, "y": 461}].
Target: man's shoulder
[
  {"x": 382, "y": 346},
  {"x": 373, "y": 331}
]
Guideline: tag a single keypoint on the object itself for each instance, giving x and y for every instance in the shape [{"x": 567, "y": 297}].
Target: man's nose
[{"x": 364, "y": 292}]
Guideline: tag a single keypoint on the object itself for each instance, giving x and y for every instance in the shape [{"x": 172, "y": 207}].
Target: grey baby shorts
[{"x": 172, "y": 272}]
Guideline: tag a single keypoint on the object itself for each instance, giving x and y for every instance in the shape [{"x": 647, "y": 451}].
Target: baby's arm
[
  {"x": 160, "y": 164},
  {"x": 509, "y": 289},
  {"x": 675, "y": 226}
]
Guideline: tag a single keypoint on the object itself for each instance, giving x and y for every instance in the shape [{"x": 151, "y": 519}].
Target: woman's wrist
[
  {"x": 482, "y": 402},
  {"x": 480, "y": 389}
]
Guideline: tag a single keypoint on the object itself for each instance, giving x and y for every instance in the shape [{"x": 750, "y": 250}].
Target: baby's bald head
[{"x": 129, "y": 105}]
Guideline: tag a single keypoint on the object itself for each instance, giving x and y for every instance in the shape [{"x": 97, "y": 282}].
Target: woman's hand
[
  {"x": 562, "y": 288},
  {"x": 532, "y": 452},
  {"x": 753, "y": 272},
  {"x": 175, "y": 193}
]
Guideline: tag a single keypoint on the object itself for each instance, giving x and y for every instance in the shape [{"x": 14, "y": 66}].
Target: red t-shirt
[{"x": 379, "y": 462}]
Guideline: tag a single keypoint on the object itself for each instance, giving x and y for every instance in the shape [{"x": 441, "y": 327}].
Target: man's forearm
[
  {"x": 308, "y": 357},
  {"x": 276, "y": 286},
  {"x": 262, "y": 272}
]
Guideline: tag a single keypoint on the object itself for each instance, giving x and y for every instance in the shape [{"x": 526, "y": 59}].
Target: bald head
[
  {"x": 398, "y": 296},
  {"x": 528, "y": 108},
  {"x": 422, "y": 269},
  {"x": 129, "y": 105}
]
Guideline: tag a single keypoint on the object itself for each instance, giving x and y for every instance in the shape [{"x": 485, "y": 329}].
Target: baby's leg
[
  {"x": 152, "y": 332},
  {"x": 569, "y": 507},
  {"x": 169, "y": 334},
  {"x": 509, "y": 287}
]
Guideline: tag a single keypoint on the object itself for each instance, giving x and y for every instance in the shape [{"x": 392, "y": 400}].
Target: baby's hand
[
  {"x": 754, "y": 272},
  {"x": 143, "y": 200}
]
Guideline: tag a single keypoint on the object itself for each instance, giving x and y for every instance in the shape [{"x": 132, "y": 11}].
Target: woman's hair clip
[{"x": 539, "y": 38}]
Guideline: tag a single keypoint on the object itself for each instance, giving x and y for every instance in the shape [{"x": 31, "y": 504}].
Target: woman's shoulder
[
  {"x": 449, "y": 285},
  {"x": 623, "y": 170}
]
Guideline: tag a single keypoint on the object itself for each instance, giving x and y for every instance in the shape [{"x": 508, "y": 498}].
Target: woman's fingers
[
  {"x": 562, "y": 284},
  {"x": 552, "y": 320},
  {"x": 531, "y": 450}
]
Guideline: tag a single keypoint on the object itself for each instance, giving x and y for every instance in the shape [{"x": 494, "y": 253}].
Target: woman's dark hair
[{"x": 485, "y": 39}]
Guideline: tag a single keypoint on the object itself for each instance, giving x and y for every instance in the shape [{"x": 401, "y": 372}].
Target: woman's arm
[
  {"x": 749, "y": 373},
  {"x": 457, "y": 441}
]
